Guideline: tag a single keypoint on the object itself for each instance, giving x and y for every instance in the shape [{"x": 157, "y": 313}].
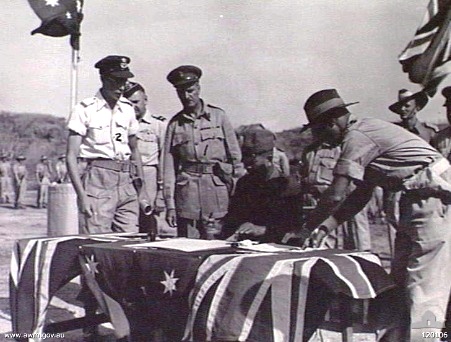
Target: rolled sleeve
[
  {"x": 358, "y": 150},
  {"x": 77, "y": 120},
  {"x": 349, "y": 168}
]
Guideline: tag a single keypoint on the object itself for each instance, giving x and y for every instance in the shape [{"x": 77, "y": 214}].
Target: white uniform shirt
[
  {"x": 151, "y": 138},
  {"x": 105, "y": 131}
]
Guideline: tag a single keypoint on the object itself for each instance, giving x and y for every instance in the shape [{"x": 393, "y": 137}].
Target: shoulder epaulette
[
  {"x": 125, "y": 101},
  {"x": 87, "y": 102},
  {"x": 209, "y": 105},
  {"x": 431, "y": 126},
  {"x": 159, "y": 117}
]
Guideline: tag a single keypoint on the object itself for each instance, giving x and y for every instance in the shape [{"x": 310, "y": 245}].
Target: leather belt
[
  {"x": 201, "y": 168},
  {"x": 113, "y": 165}
]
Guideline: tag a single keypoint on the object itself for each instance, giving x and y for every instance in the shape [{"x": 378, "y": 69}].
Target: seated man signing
[{"x": 265, "y": 205}]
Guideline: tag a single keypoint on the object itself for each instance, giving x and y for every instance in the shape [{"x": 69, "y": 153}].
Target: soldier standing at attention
[
  {"x": 43, "y": 176},
  {"x": 102, "y": 131},
  {"x": 202, "y": 160},
  {"x": 150, "y": 137},
  {"x": 20, "y": 182}
]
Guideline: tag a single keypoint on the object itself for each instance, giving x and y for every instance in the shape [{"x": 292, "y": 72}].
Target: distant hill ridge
[{"x": 34, "y": 135}]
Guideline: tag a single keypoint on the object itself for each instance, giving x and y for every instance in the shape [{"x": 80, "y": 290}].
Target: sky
[{"x": 261, "y": 59}]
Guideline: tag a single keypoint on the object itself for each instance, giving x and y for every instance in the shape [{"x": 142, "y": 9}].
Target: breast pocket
[
  {"x": 179, "y": 139},
  {"x": 326, "y": 170},
  {"x": 100, "y": 133},
  {"x": 211, "y": 133},
  {"x": 147, "y": 136}
]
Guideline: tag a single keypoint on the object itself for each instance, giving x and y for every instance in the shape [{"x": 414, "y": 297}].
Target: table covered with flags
[
  {"x": 42, "y": 266},
  {"x": 224, "y": 294}
]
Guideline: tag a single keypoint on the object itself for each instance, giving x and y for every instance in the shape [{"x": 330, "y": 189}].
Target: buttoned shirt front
[
  {"x": 151, "y": 139},
  {"x": 104, "y": 131},
  {"x": 207, "y": 138},
  {"x": 386, "y": 151}
]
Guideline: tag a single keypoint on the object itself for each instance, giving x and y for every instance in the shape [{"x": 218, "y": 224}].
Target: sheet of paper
[
  {"x": 273, "y": 248},
  {"x": 183, "y": 244}
]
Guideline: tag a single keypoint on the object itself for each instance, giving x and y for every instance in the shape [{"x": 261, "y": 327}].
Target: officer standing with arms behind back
[
  {"x": 102, "y": 131},
  {"x": 202, "y": 160}
]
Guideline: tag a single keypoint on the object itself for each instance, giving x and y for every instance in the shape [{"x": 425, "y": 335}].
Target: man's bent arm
[{"x": 329, "y": 202}]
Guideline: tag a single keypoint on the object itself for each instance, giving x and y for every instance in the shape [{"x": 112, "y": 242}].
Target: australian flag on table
[
  {"x": 39, "y": 268},
  {"x": 265, "y": 297}
]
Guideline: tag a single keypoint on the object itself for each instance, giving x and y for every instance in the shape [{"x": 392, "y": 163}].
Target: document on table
[{"x": 183, "y": 244}]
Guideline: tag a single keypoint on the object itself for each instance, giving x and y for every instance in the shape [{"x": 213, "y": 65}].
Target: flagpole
[{"x": 74, "y": 78}]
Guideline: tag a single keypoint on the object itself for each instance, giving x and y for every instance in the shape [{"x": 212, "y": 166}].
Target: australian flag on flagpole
[
  {"x": 59, "y": 18},
  {"x": 427, "y": 57}
]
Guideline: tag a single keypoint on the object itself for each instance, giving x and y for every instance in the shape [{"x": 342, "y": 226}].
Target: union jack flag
[
  {"x": 256, "y": 297},
  {"x": 39, "y": 268},
  {"x": 426, "y": 58}
]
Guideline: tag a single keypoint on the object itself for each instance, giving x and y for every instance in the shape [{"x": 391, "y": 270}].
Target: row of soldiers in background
[{"x": 13, "y": 179}]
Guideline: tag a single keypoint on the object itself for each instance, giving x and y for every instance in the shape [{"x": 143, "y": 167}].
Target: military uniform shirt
[
  {"x": 422, "y": 129},
  {"x": 151, "y": 138},
  {"x": 5, "y": 169},
  {"x": 43, "y": 171},
  {"x": 207, "y": 138},
  {"x": 442, "y": 142},
  {"x": 105, "y": 131},
  {"x": 390, "y": 152}
]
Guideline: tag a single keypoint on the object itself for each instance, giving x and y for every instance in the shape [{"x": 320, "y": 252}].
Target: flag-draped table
[
  {"x": 225, "y": 294},
  {"x": 39, "y": 268}
]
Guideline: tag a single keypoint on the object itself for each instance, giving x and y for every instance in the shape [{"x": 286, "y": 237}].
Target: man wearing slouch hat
[{"x": 376, "y": 152}]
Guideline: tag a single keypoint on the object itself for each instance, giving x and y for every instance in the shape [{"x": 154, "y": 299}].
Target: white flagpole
[{"x": 74, "y": 79}]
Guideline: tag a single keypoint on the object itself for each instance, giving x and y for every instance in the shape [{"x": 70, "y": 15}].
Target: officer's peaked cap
[
  {"x": 184, "y": 76},
  {"x": 116, "y": 66}
]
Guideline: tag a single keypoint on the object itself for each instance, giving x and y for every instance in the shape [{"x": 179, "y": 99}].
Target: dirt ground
[{"x": 32, "y": 222}]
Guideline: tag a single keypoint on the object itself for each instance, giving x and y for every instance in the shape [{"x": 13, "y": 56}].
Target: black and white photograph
[{"x": 225, "y": 171}]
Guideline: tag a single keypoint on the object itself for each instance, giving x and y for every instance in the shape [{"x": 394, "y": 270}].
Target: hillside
[
  {"x": 32, "y": 135},
  {"x": 36, "y": 134}
]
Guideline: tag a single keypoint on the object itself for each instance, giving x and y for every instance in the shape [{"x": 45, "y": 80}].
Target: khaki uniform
[
  {"x": 317, "y": 175},
  {"x": 108, "y": 176},
  {"x": 43, "y": 176},
  {"x": 62, "y": 176},
  {"x": 424, "y": 130},
  {"x": 6, "y": 183},
  {"x": 150, "y": 137},
  {"x": 380, "y": 153},
  {"x": 198, "y": 152},
  {"x": 20, "y": 184}
]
